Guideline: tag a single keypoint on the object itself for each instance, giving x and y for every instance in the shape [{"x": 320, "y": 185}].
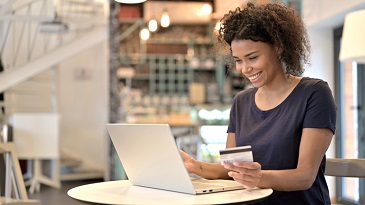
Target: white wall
[
  {"x": 322, "y": 66},
  {"x": 328, "y": 13},
  {"x": 83, "y": 105}
]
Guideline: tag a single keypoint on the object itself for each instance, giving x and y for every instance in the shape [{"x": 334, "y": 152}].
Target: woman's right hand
[{"x": 190, "y": 163}]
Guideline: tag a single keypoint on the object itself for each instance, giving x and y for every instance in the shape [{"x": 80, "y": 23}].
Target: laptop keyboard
[{"x": 205, "y": 185}]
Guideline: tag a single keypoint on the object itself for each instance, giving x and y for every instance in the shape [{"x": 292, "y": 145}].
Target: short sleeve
[
  {"x": 321, "y": 108},
  {"x": 232, "y": 117}
]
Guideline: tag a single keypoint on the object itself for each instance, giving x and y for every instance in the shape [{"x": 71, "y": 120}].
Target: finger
[
  {"x": 245, "y": 180},
  {"x": 243, "y": 170},
  {"x": 248, "y": 165},
  {"x": 246, "y": 184},
  {"x": 252, "y": 176},
  {"x": 242, "y": 176}
]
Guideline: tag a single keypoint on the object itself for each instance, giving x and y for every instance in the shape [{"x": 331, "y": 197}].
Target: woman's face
[{"x": 257, "y": 61}]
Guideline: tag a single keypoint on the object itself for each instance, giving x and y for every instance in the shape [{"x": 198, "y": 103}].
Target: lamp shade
[
  {"x": 165, "y": 19},
  {"x": 130, "y": 1},
  {"x": 353, "y": 38}
]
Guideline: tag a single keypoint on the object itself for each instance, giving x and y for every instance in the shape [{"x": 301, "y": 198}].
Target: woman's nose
[
  {"x": 248, "y": 69},
  {"x": 245, "y": 69}
]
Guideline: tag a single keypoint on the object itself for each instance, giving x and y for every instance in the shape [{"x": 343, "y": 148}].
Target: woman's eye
[
  {"x": 253, "y": 58},
  {"x": 237, "y": 60}
]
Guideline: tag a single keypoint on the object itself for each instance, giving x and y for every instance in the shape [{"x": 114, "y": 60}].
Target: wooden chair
[
  {"x": 345, "y": 167},
  {"x": 15, "y": 192}
]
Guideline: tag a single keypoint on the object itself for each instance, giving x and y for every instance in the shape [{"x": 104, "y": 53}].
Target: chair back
[{"x": 345, "y": 167}]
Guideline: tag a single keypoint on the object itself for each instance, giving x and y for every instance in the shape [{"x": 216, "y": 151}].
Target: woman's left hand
[{"x": 247, "y": 173}]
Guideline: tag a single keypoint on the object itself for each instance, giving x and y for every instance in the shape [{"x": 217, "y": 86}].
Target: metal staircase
[{"x": 35, "y": 36}]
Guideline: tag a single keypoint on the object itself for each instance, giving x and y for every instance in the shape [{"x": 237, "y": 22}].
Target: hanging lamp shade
[
  {"x": 144, "y": 34},
  {"x": 353, "y": 38},
  {"x": 130, "y": 1},
  {"x": 165, "y": 19},
  {"x": 152, "y": 25}
]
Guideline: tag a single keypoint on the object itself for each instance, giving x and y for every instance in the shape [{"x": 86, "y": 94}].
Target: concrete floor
[{"x": 53, "y": 196}]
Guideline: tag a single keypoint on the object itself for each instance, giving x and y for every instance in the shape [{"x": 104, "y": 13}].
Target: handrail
[
  {"x": 22, "y": 42},
  {"x": 14, "y": 76}
]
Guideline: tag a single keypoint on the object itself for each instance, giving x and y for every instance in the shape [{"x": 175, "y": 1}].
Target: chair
[
  {"x": 345, "y": 167},
  {"x": 15, "y": 192}
]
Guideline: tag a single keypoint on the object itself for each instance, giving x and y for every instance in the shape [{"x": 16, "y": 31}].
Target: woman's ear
[{"x": 279, "y": 51}]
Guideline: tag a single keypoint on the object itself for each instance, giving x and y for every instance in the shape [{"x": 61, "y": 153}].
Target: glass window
[
  {"x": 350, "y": 188},
  {"x": 350, "y": 85}
]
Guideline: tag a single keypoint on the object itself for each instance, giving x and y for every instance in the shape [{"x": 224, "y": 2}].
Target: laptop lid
[{"x": 150, "y": 156}]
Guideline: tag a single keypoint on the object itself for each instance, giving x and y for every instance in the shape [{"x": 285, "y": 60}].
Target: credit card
[{"x": 236, "y": 154}]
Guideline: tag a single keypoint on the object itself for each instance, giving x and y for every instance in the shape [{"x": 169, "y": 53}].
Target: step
[
  {"x": 81, "y": 174},
  {"x": 73, "y": 169},
  {"x": 67, "y": 162}
]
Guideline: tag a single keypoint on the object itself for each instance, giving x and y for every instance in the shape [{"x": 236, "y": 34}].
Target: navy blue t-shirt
[{"x": 275, "y": 134}]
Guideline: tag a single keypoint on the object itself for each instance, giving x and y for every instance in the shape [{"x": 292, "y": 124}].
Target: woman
[{"x": 288, "y": 120}]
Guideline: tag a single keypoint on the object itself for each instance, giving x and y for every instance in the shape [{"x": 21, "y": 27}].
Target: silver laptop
[{"x": 150, "y": 158}]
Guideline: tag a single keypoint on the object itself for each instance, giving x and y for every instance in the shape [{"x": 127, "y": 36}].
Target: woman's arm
[
  {"x": 313, "y": 146},
  {"x": 208, "y": 170}
]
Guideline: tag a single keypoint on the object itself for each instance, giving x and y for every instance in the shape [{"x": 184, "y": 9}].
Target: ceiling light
[
  {"x": 353, "y": 41},
  {"x": 217, "y": 26},
  {"x": 206, "y": 9},
  {"x": 130, "y": 1},
  {"x": 165, "y": 19},
  {"x": 145, "y": 34},
  {"x": 152, "y": 25}
]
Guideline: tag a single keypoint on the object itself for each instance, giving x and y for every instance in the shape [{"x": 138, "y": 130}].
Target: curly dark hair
[{"x": 271, "y": 23}]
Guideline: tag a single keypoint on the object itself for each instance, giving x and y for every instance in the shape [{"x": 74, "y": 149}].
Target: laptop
[{"x": 151, "y": 158}]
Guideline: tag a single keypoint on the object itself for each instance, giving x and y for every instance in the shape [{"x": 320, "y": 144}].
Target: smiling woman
[{"x": 288, "y": 120}]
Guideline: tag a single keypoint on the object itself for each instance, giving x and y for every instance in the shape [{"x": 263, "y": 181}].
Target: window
[{"x": 350, "y": 87}]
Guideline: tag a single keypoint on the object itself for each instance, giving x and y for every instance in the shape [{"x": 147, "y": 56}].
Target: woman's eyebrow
[
  {"x": 253, "y": 52},
  {"x": 248, "y": 54}
]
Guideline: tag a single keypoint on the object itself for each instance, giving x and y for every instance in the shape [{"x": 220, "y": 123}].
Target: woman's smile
[{"x": 255, "y": 77}]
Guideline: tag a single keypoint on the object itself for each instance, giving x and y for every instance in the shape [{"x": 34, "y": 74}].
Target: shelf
[
  {"x": 204, "y": 69},
  {"x": 201, "y": 41},
  {"x": 141, "y": 76},
  {"x": 173, "y": 58}
]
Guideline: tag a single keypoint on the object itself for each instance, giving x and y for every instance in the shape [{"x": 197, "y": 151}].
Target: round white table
[{"x": 122, "y": 192}]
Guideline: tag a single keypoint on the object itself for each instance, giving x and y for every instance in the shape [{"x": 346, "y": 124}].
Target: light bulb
[
  {"x": 152, "y": 25},
  {"x": 165, "y": 19},
  {"x": 206, "y": 9},
  {"x": 145, "y": 34},
  {"x": 217, "y": 26}
]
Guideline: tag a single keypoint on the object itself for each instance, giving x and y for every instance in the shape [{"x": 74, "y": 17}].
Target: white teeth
[{"x": 254, "y": 77}]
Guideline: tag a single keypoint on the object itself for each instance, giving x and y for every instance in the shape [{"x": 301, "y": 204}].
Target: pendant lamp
[
  {"x": 353, "y": 38},
  {"x": 152, "y": 25},
  {"x": 130, "y": 1},
  {"x": 165, "y": 19}
]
